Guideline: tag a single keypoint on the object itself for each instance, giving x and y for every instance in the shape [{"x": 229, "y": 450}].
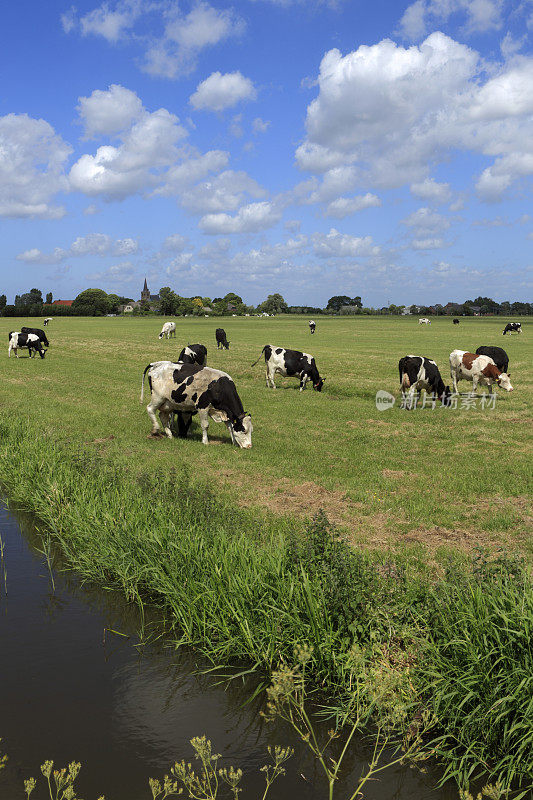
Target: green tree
[
  {"x": 114, "y": 301},
  {"x": 274, "y": 304},
  {"x": 91, "y": 302},
  {"x": 168, "y": 301},
  {"x": 335, "y": 303},
  {"x": 3, "y": 302},
  {"x": 233, "y": 298},
  {"x": 184, "y": 305},
  {"x": 49, "y": 298}
]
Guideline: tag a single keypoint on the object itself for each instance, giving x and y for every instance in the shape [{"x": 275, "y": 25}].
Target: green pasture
[{"x": 441, "y": 477}]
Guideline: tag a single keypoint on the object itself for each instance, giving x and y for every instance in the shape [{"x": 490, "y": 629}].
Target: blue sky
[{"x": 309, "y": 148}]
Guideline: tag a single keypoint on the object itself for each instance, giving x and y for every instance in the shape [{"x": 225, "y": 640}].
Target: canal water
[{"x": 72, "y": 689}]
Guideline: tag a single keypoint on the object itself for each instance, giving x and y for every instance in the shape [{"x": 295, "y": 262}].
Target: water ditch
[{"x": 72, "y": 688}]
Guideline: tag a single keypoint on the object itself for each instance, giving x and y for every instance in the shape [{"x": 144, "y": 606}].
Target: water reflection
[{"x": 73, "y": 688}]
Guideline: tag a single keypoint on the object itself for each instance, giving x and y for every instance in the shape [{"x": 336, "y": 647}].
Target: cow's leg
[
  {"x": 303, "y": 380},
  {"x": 411, "y": 403},
  {"x": 453, "y": 376},
  {"x": 475, "y": 380},
  {"x": 270, "y": 377},
  {"x": 229, "y": 426},
  {"x": 184, "y": 423},
  {"x": 203, "y": 416},
  {"x": 164, "y": 416},
  {"x": 153, "y": 406}
]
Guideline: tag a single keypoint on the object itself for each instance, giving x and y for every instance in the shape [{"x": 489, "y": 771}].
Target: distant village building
[
  {"x": 66, "y": 303},
  {"x": 146, "y": 297}
]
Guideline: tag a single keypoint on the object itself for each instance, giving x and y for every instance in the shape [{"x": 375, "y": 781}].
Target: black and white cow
[
  {"x": 38, "y": 332},
  {"x": 47, "y": 320},
  {"x": 456, "y": 321},
  {"x": 194, "y": 354},
  {"x": 292, "y": 364},
  {"x": 222, "y": 341},
  {"x": 418, "y": 372},
  {"x": 312, "y": 325},
  {"x": 30, "y": 340},
  {"x": 168, "y": 330},
  {"x": 424, "y": 321},
  {"x": 513, "y": 327},
  {"x": 498, "y": 355},
  {"x": 188, "y": 389}
]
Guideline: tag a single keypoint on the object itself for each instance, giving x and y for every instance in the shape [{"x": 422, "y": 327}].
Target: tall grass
[{"x": 449, "y": 657}]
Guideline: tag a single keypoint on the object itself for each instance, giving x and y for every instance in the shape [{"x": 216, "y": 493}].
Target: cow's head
[
  {"x": 161, "y": 335},
  {"x": 242, "y": 430},
  {"x": 317, "y": 385},
  {"x": 504, "y": 382},
  {"x": 42, "y": 351}
]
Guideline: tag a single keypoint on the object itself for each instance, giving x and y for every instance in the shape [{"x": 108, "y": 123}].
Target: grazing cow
[
  {"x": 30, "y": 340},
  {"x": 47, "y": 320},
  {"x": 424, "y": 321},
  {"x": 312, "y": 325},
  {"x": 168, "y": 329},
  {"x": 418, "y": 372},
  {"x": 38, "y": 332},
  {"x": 194, "y": 354},
  {"x": 513, "y": 327},
  {"x": 222, "y": 341},
  {"x": 292, "y": 364},
  {"x": 479, "y": 369},
  {"x": 191, "y": 389},
  {"x": 456, "y": 321},
  {"x": 498, "y": 355}
]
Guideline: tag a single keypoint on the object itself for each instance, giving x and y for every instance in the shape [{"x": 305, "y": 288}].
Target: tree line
[{"x": 97, "y": 302}]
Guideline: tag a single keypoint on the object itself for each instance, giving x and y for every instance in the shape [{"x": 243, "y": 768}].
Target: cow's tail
[
  {"x": 142, "y": 381},
  {"x": 259, "y": 359}
]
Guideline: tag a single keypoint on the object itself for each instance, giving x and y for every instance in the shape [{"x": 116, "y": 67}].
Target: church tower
[{"x": 145, "y": 294}]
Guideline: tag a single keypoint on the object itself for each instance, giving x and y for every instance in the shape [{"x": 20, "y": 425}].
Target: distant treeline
[{"x": 96, "y": 302}]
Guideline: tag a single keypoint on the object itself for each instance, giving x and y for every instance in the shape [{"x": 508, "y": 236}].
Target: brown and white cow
[{"x": 481, "y": 370}]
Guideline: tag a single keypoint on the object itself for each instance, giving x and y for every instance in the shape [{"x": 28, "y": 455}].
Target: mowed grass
[{"x": 442, "y": 477}]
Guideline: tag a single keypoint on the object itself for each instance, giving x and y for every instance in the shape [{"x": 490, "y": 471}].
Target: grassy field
[
  {"x": 441, "y": 477},
  {"x": 440, "y": 654}
]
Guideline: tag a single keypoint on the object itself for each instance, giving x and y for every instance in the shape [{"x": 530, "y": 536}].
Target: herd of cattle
[{"x": 187, "y": 387}]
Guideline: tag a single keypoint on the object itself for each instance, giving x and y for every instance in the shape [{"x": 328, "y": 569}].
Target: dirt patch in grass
[
  {"x": 304, "y": 500},
  {"x": 437, "y": 536},
  {"x": 362, "y": 528}
]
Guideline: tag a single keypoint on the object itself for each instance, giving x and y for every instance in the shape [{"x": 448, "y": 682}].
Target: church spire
[{"x": 145, "y": 294}]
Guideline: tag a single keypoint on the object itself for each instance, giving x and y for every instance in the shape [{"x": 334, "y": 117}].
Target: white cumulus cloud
[
  {"x": 391, "y": 113},
  {"x": 432, "y": 191},
  {"x": 220, "y": 91},
  {"x": 478, "y": 16},
  {"x": 134, "y": 166},
  {"x": 336, "y": 244},
  {"x": 32, "y": 162},
  {"x": 109, "y": 112},
  {"x": 94, "y": 244},
  {"x": 249, "y": 219},
  {"x": 345, "y": 206},
  {"x": 185, "y": 36}
]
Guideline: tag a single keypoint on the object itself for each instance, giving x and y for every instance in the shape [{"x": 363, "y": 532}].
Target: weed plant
[{"x": 445, "y": 662}]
